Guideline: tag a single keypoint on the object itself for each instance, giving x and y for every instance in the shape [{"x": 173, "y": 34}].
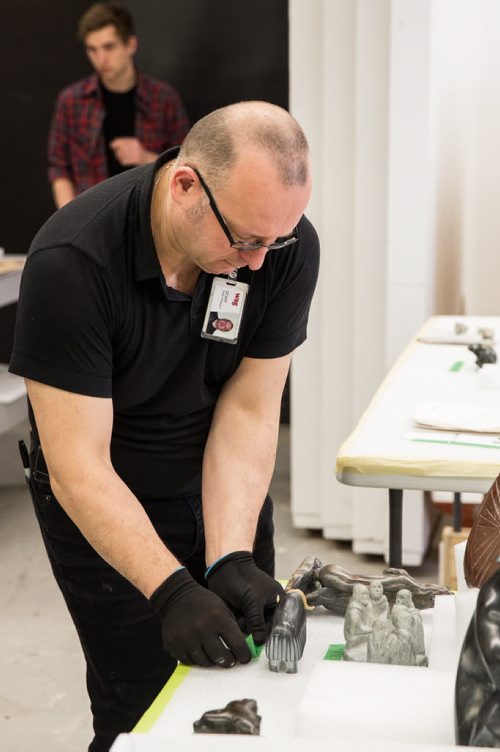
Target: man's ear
[
  {"x": 132, "y": 44},
  {"x": 184, "y": 179}
]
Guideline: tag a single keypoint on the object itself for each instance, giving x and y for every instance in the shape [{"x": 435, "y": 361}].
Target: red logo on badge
[{"x": 236, "y": 299}]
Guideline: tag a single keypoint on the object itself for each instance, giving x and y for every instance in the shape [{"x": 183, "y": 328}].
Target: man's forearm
[
  {"x": 63, "y": 191},
  {"x": 237, "y": 470},
  {"x": 116, "y": 526}
]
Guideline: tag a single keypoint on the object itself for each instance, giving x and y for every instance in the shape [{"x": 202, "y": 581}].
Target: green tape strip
[
  {"x": 456, "y": 443},
  {"x": 457, "y": 365},
  {"x": 334, "y": 653},
  {"x": 255, "y": 650},
  {"x": 159, "y": 704}
]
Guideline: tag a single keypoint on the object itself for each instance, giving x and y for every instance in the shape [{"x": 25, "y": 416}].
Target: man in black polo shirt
[{"x": 153, "y": 439}]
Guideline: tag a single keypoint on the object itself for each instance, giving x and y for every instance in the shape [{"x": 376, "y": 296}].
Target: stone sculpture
[
  {"x": 378, "y": 605},
  {"x": 477, "y": 689},
  {"x": 404, "y": 606},
  {"x": 375, "y": 635},
  {"x": 305, "y": 576},
  {"x": 335, "y": 587},
  {"x": 483, "y": 543},
  {"x": 357, "y": 624},
  {"x": 484, "y": 354},
  {"x": 287, "y": 637},
  {"x": 238, "y": 717}
]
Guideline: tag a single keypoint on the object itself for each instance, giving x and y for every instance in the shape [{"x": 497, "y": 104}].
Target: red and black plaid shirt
[{"x": 76, "y": 148}]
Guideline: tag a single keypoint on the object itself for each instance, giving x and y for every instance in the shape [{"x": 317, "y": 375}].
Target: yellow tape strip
[{"x": 159, "y": 704}]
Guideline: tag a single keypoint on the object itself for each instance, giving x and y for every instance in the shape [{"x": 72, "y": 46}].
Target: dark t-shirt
[
  {"x": 96, "y": 317},
  {"x": 118, "y": 121}
]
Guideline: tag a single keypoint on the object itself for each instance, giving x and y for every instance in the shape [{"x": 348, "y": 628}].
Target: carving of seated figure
[
  {"x": 381, "y": 642},
  {"x": 401, "y": 640},
  {"x": 378, "y": 605},
  {"x": 404, "y": 598},
  {"x": 357, "y": 626}
]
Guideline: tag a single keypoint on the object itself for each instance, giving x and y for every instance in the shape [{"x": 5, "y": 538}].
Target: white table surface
[
  {"x": 278, "y": 695},
  {"x": 378, "y": 452},
  {"x": 168, "y": 726}
]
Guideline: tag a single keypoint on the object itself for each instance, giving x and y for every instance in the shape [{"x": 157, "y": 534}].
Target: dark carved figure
[
  {"x": 483, "y": 543},
  {"x": 337, "y": 585},
  {"x": 238, "y": 717},
  {"x": 305, "y": 576},
  {"x": 477, "y": 690},
  {"x": 483, "y": 354},
  {"x": 285, "y": 644}
]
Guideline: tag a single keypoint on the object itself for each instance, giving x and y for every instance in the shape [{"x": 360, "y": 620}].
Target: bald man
[{"x": 153, "y": 439}]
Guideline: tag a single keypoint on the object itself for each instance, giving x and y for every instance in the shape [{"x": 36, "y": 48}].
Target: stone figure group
[{"x": 375, "y": 633}]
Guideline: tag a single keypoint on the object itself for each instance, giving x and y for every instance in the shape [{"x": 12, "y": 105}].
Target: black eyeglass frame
[{"x": 241, "y": 245}]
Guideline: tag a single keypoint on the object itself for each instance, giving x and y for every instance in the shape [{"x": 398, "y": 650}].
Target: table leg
[
  {"x": 395, "y": 526},
  {"x": 457, "y": 512}
]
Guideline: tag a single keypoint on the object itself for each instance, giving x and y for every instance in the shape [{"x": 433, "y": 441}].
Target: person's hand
[
  {"x": 129, "y": 151},
  {"x": 246, "y": 588},
  {"x": 197, "y": 626}
]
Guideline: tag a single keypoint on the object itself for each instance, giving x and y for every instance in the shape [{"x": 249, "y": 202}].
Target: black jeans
[{"x": 120, "y": 634}]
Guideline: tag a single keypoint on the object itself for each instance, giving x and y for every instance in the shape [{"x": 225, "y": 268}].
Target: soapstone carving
[
  {"x": 486, "y": 332},
  {"x": 483, "y": 543},
  {"x": 336, "y": 587},
  {"x": 305, "y": 576},
  {"x": 406, "y": 611},
  {"x": 287, "y": 636},
  {"x": 375, "y": 635},
  {"x": 477, "y": 688},
  {"x": 378, "y": 605},
  {"x": 380, "y": 642},
  {"x": 238, "y": 717},
  {"x": 285, "y": 644},
  {"x": 484, "y": 354},
  {"x": 357, "y": 624}
]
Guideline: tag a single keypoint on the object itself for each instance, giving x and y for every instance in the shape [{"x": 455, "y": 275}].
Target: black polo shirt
[{"x": 96, "y": 317}]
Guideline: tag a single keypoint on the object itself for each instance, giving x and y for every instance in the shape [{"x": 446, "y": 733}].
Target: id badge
[{"x": 225, "y": 310}]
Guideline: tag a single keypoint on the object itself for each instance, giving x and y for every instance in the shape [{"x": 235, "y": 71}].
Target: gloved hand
[
  {"x": 238, "y": 580},
  {"x": 197, "y": 626}
]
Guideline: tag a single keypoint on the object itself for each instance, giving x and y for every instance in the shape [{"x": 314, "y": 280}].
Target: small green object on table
[{"x": 334, "y": 653}]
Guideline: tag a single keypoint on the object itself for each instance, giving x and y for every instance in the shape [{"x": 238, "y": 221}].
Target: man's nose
[
  {"x": 100, "y": 58},
  {"x": 254, "y": 259}
]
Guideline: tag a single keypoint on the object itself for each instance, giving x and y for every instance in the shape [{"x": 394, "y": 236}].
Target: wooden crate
[{"x": 449, "y": 539}]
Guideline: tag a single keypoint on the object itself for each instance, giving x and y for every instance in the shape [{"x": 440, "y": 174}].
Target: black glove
[
  {"x": 246, "y": 588},
  {"x": 197, "y": 626}
]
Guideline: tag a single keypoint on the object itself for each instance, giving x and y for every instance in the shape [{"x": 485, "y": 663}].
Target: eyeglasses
[{"x": 241, "y": 245}]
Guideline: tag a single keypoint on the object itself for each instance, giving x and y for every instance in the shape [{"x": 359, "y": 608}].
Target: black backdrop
[{"x": 213, "y": 51}]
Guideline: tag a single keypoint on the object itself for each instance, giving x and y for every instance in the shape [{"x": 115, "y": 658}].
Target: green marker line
[
  {"x": 456, "y": 443},
  {"x": 457, "y": 366}
]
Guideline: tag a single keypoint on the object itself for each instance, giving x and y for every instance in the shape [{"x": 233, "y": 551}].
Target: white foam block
[
  {"x": 465, "y": 605},
  {"x": 368, "y": 701},
  {"x": 459, "y": 551},
  {"x": 443, "y": 653},
  {"x": 228, "y": 743}
]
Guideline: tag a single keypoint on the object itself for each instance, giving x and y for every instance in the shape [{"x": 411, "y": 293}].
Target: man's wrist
[{"x": 230, "y": 556}]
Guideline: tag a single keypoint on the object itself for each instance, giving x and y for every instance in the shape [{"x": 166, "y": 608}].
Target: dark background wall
[{"x": 213, "y": 51}]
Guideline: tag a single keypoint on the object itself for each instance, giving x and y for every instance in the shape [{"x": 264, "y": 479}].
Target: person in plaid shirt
[{"x": 114, "y": 119}]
